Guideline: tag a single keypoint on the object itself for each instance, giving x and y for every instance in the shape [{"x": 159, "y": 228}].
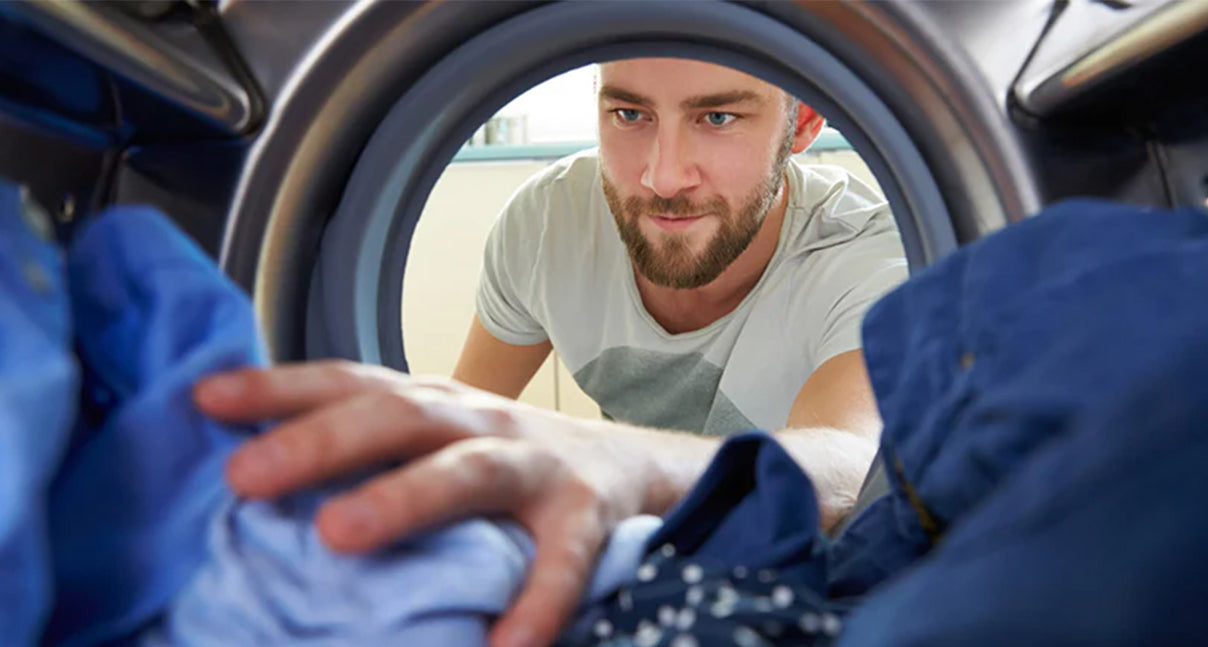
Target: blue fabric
[
  {"x": 752, "y": 506},
  {"x": 270, "y": 580},
  {"x": 133, "y": 497},
  {"x": 985, "y": 358},
  {"x": 115, "y": 512},
  {"x": 1044, "y": 393},
  {"x": 39, "y": 379},
  {"x": 1043, "y": 398},
  {"x": 740, "y": 560},
  {"x": 1097, "y": 539}
]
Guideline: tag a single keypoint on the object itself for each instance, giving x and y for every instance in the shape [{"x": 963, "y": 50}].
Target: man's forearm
[
  {"x": 666, "y": 464},
  {"x": 671, "y": 462},
  {"x": 836, "y": 461}
]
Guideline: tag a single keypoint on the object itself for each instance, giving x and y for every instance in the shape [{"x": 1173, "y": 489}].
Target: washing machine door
[
  {"x": 298, "y": 141},
  {"x": 363, "y": 125},
  {"x": 971, "y": 115}
]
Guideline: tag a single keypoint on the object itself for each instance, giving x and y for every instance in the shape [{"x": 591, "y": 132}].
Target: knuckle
[
  {"x": 487, "y": 463},
  {"x": 309, "y": 450},
  {"x": 580, "y": 553},
  {"x": 342, "y": 373},
  {"x": 391, "y": 402},
  {"x": 567, "y": 577},
  {"x": 381, "y": 496},
  {"x": 583, "y": 495},
  {"x": 501, "y": 421},
  {"x": 594, "y": 512}
]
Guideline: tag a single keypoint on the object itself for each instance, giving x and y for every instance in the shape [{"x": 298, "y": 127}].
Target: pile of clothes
[{"x": 1044, "y": 392}]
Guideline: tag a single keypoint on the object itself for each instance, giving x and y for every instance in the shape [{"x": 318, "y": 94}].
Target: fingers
[
  {"x": 337, "y": 440},
  {"x": 482, "y": 476},
  {"x": 251, "y": 395},
  {"x": 567, "y": 550}
]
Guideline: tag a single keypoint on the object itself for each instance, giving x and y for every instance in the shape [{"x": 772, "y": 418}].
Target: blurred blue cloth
[
  {"x": 133, "y": 497},
  {"x": 39, "y": 380},
  {"x": 115, "y": 525},
  {"x": 1044, "y": 393}
]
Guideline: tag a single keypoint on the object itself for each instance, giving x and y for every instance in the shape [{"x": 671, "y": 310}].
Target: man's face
[{"x": 692, "y": 156}]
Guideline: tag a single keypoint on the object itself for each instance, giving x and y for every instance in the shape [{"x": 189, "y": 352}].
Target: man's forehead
[{"x": 674, "y": 79}]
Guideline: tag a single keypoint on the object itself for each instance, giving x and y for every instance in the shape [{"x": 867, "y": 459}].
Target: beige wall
[{"x": 446, "y": 257}]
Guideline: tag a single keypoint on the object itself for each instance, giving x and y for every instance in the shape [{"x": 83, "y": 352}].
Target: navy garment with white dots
[
  {"x": 1044, "y": 392},
  {"x": 740, "y": 561}
]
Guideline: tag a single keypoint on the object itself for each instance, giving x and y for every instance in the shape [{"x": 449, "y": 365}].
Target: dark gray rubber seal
[{"x": 355, "y": 304}]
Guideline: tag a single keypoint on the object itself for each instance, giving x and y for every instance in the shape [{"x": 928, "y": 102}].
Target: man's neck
[{"x": 685, "y": 310}]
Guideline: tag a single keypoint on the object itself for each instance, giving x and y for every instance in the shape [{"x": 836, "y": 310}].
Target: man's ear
[{"x": 809, "y": 125}]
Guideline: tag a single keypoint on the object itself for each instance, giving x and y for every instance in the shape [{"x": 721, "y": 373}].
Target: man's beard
[{"x": 672, "y": 263}]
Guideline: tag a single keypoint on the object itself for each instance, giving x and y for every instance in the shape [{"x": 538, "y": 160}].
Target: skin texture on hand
[{"x": 466, "y": 453}]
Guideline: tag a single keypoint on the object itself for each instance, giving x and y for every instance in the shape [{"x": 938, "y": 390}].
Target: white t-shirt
[{"x": 555, "y": 268}]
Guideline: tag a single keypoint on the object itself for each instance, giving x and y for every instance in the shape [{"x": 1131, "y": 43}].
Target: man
[{"x": 735, "y": 302}]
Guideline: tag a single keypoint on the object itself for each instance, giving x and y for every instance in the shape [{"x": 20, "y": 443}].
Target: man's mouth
[{"x": 674, "y": 223}]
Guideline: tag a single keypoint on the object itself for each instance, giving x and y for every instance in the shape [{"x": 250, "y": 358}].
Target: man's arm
[
  {"x": 492, "y": 365},
  {"x": 469, "y": 453},
  {"x": 832, "y": 433}
]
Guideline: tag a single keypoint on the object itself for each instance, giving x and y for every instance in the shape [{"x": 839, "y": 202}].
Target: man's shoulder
[
  {"x": 565, "y": 186},
  {"x": 572, "y": 176},
  {"x": 829, "y": 205}
]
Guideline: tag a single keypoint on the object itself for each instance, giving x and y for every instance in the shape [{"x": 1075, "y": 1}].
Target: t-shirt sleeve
[
  {"x": 507, "y": 287},
  {"x": 860, "y": 272}
]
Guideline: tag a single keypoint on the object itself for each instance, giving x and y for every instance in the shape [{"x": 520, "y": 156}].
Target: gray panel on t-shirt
[{"x": 624, "y": 380}]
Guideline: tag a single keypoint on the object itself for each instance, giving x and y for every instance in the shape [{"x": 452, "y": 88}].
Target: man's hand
[{"x": 467, "y": 453}]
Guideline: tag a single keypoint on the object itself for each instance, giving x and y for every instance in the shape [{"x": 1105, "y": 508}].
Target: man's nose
[{"x": 671, "y": 168}]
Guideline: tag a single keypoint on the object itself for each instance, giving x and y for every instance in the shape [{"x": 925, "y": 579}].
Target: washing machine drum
[
  {"x": 299, "y": 141},
  {"x": 386, "y": 99},
  {"x": 305, "y": 137}
]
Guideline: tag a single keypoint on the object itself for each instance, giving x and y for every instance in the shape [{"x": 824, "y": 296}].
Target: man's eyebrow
[
  {"x": 721, "y": 99},
  {"x": 619, "y": 94}
]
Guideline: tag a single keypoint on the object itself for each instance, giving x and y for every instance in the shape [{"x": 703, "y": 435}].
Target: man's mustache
[{"x": 677, "y": 206}]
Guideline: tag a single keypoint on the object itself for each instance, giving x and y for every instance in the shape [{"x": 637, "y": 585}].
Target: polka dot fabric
[
  {"x": 688, "y": 602},
  {"x": 739, "y": 561}
]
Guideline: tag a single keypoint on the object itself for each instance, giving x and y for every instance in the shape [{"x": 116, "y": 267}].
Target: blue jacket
[{"x": 1044, "y": 393}]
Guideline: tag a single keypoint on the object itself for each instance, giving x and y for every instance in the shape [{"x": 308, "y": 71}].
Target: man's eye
[
  {"x": 719, "y": 118},
  {"x": 627, "y": 114}
]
